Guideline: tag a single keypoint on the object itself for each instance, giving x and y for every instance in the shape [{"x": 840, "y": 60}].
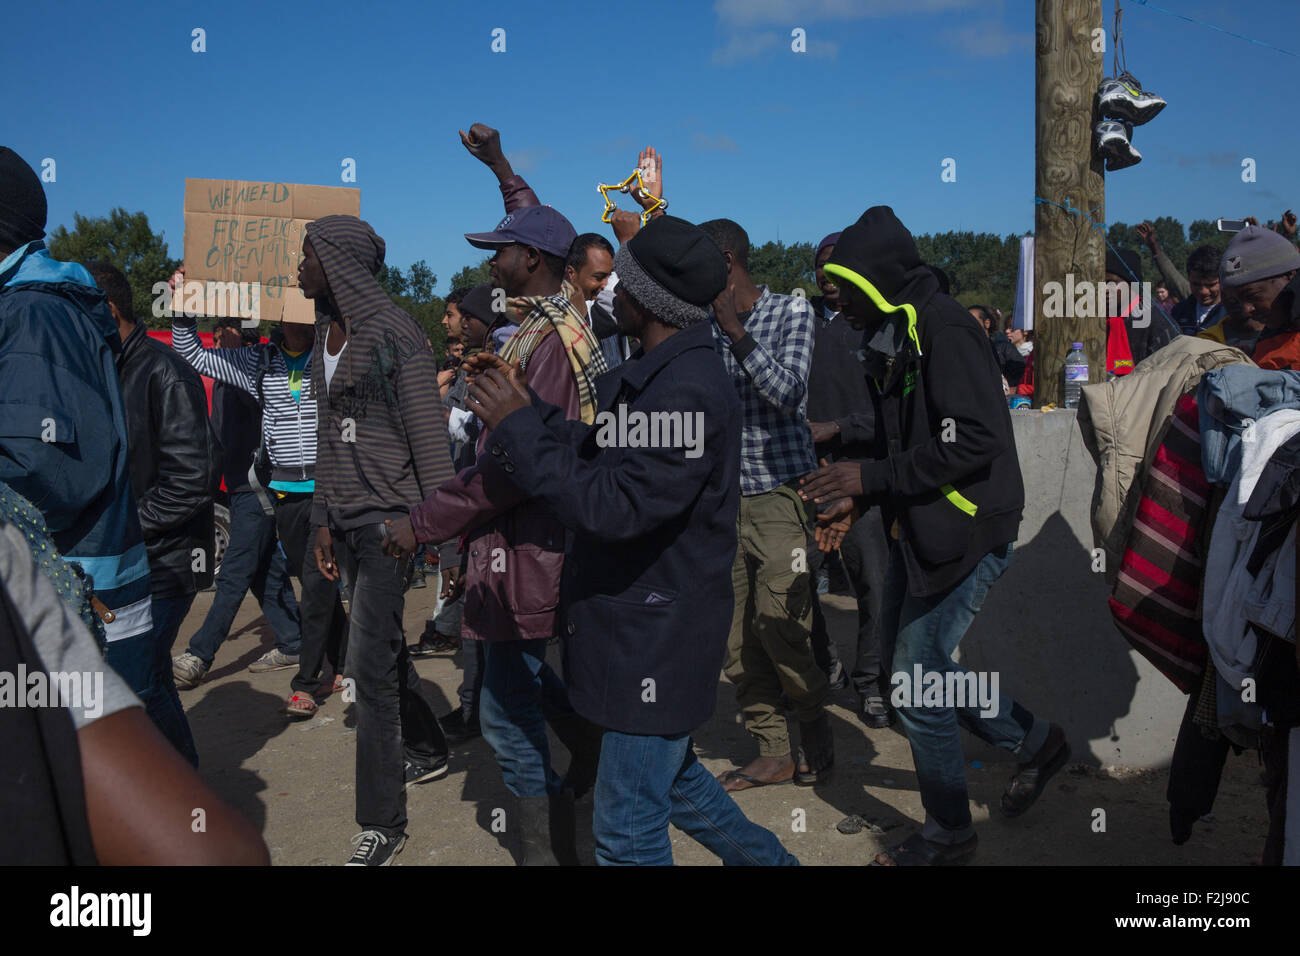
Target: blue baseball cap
[{"x": 539, "y": 226}]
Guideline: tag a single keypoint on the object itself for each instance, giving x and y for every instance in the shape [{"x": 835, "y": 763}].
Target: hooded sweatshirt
[
  {"x": 950, "y": 476},
  {"x": 382, "y": 428}
]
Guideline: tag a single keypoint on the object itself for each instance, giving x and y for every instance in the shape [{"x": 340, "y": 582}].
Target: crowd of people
[{"x": 635, "y": 451}]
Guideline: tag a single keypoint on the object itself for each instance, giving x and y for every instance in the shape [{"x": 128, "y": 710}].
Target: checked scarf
[{"x": 539, "y": 316}]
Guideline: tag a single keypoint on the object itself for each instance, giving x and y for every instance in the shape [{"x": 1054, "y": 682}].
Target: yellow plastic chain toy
[{"x": 626, "y": 186}]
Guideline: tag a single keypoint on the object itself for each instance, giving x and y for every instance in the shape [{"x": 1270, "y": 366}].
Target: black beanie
[
  {"x": 1127, "y": 264},
  {"x": 22, "y": 201},
  {"x": 478, "y": 302},
  {"x": 672, "y": 268}
]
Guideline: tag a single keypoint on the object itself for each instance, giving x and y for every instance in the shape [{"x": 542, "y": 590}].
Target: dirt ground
[{"x": 294, "y": 779}]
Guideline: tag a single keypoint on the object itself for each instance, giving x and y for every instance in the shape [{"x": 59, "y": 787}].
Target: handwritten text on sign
[{"x": 239, "y": 231}]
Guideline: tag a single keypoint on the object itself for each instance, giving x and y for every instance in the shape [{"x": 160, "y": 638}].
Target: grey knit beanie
[{"x": 1257, "y": 253}]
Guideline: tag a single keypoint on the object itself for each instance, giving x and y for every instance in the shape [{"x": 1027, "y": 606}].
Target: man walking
[
  {"x": 382, "y": 448},
  {"x": 647, "y": 593},
  {"x": 766, "y": 341},
  {"x": 174, "y": 473},
  {"x": 843, "y": 425},
  {"x": 278, "y": 378},
  {"x": 951, "y": 481},
  {"x": 63, "y": 438}
]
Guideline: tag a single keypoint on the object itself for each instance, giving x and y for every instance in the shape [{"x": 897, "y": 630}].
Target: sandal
[
  {"x": 816, "y": 753},
  {"x": 338, "y": 683},
  {"x": 916, "y": 850},
  {"x": 731, "y": 776},
  {"x": 300, "y": 705}
]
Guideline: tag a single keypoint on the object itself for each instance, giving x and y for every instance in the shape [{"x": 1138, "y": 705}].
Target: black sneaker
[
  {"x": 423, "y": 773},
  {"x": 875, "y": 713},
  {"x": 1123, "y": 98},
  {"x": 432, "y": 642},
  {"x": 457, "y": 729},
  {"x": 373, "y": 848}
]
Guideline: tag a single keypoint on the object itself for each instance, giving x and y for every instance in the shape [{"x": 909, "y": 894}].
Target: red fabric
[
  {"x": 1278, "y": 351},
  {"x": 1026, "y": 386},
  {"x": 1154, "y": 603},
  {"x": 1119, "y": 356}
]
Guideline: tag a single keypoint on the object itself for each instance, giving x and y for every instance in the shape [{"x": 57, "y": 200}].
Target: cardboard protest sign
[{"x": 243, "y": 242}]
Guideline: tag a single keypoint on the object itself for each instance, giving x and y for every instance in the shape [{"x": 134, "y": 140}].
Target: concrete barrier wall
[{"x": 1045, "y": 627}]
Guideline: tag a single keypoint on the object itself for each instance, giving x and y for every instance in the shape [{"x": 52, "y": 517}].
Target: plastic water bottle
[{"x": 1076, "y": 374}]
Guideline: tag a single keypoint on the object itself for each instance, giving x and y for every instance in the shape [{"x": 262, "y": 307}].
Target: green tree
[
  {"x": 783, "y": 268},
  {"x": 421, "y": 280},
  {"x": 412, "y": 292},
  {"x": 392, "y": 281},
  {"x": 126, "y": 240},
  {"x": 472, "y": 275},
  {"x": 981, "y": 267}
]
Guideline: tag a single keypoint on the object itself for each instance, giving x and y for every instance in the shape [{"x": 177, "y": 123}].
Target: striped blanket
[{"x": 1156, "y": 598}]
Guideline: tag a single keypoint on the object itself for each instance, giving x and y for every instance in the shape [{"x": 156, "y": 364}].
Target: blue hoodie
[{"x": 63, "y": 442}]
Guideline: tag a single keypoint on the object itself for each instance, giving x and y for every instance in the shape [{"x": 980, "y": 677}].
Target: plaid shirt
[{"x": 772, "y": 382}]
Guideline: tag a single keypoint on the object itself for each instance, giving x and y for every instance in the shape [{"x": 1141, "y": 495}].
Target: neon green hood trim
[{"x": 880, "y": 302}]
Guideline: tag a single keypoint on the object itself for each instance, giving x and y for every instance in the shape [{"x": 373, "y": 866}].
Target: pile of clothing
[{"x": 1196, "y": 507}]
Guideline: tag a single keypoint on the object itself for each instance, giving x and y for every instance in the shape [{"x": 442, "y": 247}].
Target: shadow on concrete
[
  {"x": 1042, "y": 619},
  {"x": 232, "y": 723}
]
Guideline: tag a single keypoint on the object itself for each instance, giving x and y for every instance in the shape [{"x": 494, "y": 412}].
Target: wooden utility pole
[{"x": 1068, "y": 69}]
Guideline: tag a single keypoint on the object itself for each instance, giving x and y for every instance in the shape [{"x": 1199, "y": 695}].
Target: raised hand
[
  {"x": 484, "y": 144},
  {"x": 626, "y": 224},
  {"x": 1147, "y": 233}
]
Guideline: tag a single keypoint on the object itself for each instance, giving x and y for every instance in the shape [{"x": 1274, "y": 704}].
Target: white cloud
[
  {"x": 721, "y": 143},
  {"x": 744, "y": 47},
  {"x": 796, "y": 12},
  {"x": 987, "y": 40},
  {"x": 527, "y": 160}
]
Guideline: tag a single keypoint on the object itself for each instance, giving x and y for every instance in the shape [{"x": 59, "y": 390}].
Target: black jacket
[
  {"x": 1184, "y": 316},
  {"x": 955, "y": 500},
  {"x": 1158, "y": 332},
  {"x": 838, "y": 391},
  {"x": 237, "y": 420},
  {"x": 1008, "y": 358},
  {"x": 647, "y": 596},
  {"x": 175, "y": 462}
]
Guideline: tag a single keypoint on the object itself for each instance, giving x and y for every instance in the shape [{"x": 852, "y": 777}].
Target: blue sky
[{"x": 790, "y": 145}]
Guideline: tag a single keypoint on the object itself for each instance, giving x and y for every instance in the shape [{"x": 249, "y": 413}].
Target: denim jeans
[
  {"x": 926, "y": 632},
  {"x": 646, "y": 782},
  {"x": 395, "y": 722},
  {"x": 1226, "y": 398},
  {"x": 324, "y": 622},
  {"x": 162, "y": 703},
  {"x": 252, "y": 561},
  {"x": 520, "y": 690}
]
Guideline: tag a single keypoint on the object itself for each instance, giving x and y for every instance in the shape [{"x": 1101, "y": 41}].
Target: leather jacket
[{"x": 175, "y": 463}]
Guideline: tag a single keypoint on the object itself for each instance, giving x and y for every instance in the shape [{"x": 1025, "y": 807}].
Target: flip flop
[
  {"x": 916, "y": 850},
  {"x": 300, "y": 705},
  {"x": 733, "y": 775}
]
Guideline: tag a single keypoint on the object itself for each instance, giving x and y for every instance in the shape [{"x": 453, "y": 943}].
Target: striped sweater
[
  {"x": 383, "y": 427},
  {"x": 288, "y": 424}
]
